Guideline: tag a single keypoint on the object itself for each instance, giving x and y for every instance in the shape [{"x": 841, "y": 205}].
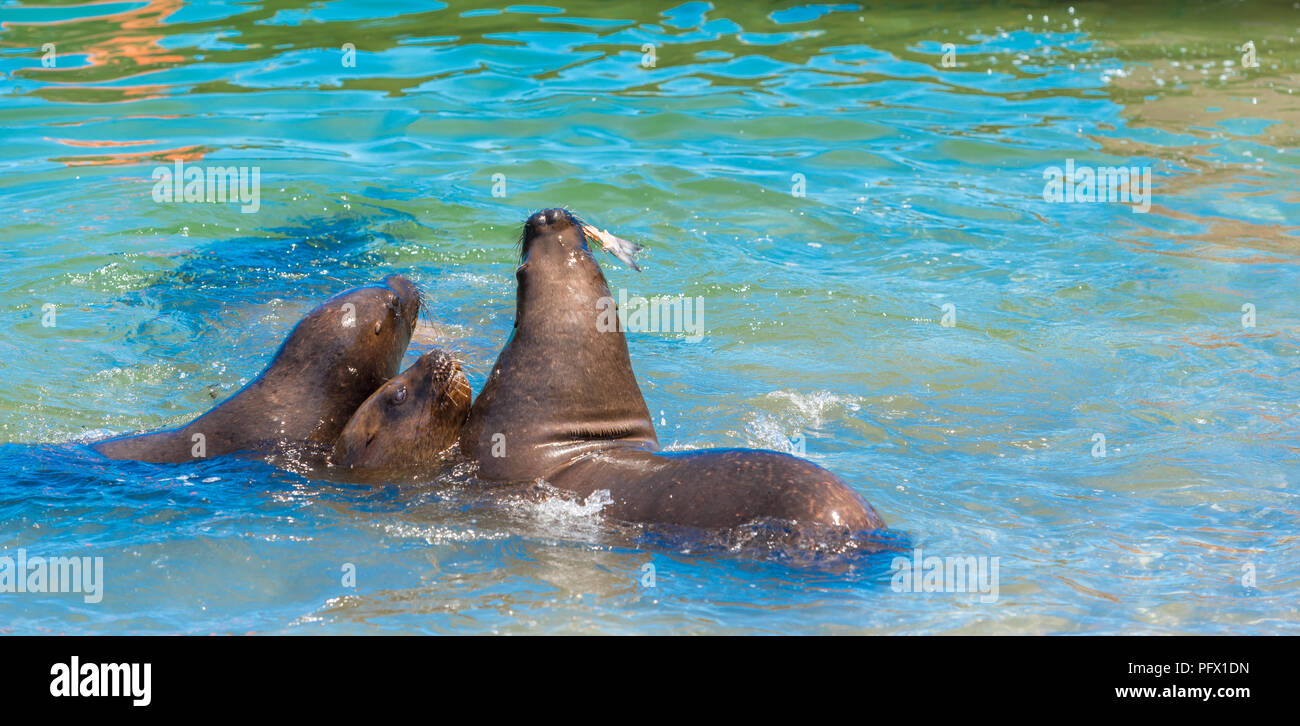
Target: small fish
[{"x": 617, "y": 246}]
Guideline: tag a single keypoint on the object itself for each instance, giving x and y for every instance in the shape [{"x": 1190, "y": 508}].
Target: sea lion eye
[{"x": 399, "y": 397}]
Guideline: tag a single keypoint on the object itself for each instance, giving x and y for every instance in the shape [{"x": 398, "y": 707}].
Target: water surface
[{"x": 819, "y": 175}]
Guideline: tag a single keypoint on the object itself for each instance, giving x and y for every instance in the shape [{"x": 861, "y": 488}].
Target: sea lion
[
  {"x": 334, "y": 358},
  {"x": 562, "y": 405},
  {"x": 409, "y": 424}
]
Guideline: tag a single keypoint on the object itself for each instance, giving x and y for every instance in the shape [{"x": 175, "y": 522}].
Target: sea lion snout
[
  {"x": 549, "y": 220},
  {"x": 410, "y": 421},
  {"x": 408, "y": 297},
  {"x": 553, "y": 255},
  {"x": 552, "y": 231},
  {"x": 442, "y": 372}
]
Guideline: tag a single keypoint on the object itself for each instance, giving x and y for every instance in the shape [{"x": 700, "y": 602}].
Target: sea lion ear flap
[{"x": 624, "y": 250}]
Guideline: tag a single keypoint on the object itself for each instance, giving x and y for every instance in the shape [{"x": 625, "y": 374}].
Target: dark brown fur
[
  {"x": 332, "y": 361},
  {"x": 410, "y": 423},
  {"x": 564, "y": 402}
]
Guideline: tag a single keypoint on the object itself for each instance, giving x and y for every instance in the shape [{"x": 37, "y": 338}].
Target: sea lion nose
[
  {"x": 548, "y": 218},
  {"x": 408, "y": 296}
]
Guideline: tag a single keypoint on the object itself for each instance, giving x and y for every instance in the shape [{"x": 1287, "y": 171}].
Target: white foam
[
  {"x": 811, "y": 408},
  {"x": 560, "y": 506},
  {"x": 799, "y": 413},
  {"x": 435, "y": 535},
  {"x": 562, "y": 514},
  {"x": 86, "y": 437}
]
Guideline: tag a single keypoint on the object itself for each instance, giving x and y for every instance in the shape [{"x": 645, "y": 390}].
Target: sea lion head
[
  {"x": 411, "y": 421},
  {"x": 340, "y": 353},
  {"x": 334, "y": 358},
  {"x": 553, "y": 222},
  {"x": 557, "y": 270}
]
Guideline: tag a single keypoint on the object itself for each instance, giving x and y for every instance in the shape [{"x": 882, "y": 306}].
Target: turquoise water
[{"x": 824, "y": 306}]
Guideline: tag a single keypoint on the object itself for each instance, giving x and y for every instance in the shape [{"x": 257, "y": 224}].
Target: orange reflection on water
[
  {"x": 112, "y": 55},
  {"x": 97, "y": 144},
  {"x": 143, "y": 49},
  {"x": 128, "y": 43},
  {"x": 132, "y": 48},
  {"x": 184, "y": 153}
]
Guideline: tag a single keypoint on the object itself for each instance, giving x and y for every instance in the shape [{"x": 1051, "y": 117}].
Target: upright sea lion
[
  {"x": 409, "y": 424},
  {"x": 562, "y": 405},
  {"x": 338, "y": 355}
]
